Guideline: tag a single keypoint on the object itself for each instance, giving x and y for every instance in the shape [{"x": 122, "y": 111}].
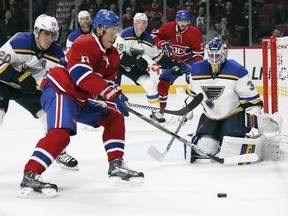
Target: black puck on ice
[{"x": 221, "y": 195}]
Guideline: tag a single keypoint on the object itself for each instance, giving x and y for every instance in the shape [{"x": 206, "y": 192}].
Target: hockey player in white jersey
[
  {"x": 232, "y": 106},
  {"x": 24, "y": 60},
  {"x": 84, "y": 21},
  {"x": 132, "y": 45}
]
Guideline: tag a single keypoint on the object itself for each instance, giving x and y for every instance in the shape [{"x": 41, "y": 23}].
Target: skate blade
[
  {"x": 117, "y": 181},
  {"x": 76, "y": 168},
  {"x": 28, "y": 192}
]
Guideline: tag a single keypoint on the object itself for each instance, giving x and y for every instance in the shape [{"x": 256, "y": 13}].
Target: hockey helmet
[
  {"x": 48, "y": 23},
  {"x": 182, "y": 15},
  {"x": 217, "y": 52},
  {"x": 106, "y": 18},
  {"x": 83, "y": 14},
  {"x": 140, "y": 16}
]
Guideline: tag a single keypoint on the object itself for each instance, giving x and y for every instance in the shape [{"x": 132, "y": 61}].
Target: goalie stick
[
  {"x": 192, "y": 105},
  {"x": 157, "y": 155},
  {"x": 245, "y": 158}
]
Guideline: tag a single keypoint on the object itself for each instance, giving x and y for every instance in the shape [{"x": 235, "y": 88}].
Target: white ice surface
[{"x": 171, "y": 187}]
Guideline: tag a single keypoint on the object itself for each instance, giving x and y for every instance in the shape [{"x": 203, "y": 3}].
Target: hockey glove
[
  {"x": 165, "y": 47},
  {"x": 176, "y": 70},
  {"x": 141, "y": 63},
  {"x": 115, "y": 99},
  {"x": 26, "y": 82}
]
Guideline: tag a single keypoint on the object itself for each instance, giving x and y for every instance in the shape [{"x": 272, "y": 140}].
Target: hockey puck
[{"x": 221, "y": 195}]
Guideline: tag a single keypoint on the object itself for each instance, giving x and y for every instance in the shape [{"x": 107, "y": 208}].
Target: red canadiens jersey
[
  {"x": 187, "y": 45},
  {"x": 90, "y": 67}
]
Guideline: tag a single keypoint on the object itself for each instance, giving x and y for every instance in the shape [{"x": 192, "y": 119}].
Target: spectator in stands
[
  {"x": 92, "y": 12},
  {"x": 191, "y": 3},
  {"x": 135, "y": 6},
  {"x": 98, "y": 5},
  {"x": 231, "y": 14},
  {"x": 16, "y": 11},
  {"x": 200, "y": 19},
  {"x": 154, "y": 12},
  {"x": 277, "y": 33},
  {"x": 226, "y": 32},
  {"x": 8, "y": 27},
  {"x": 64, "y": 32},
  {"x": 72, "y": 19},
  {"x": 114, "y": 7},
  {"x": 3, "y": 7},
  {"x": 127, "y": 18},
  {"x": 243, "y": 22},
  {"x": 171, "y": 11}
]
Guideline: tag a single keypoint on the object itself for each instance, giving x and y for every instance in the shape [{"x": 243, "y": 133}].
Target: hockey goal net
[{"x": 275, "y": 77}]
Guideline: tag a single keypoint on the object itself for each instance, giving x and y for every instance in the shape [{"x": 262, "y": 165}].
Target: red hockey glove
[{"x": 115, "y": 99}]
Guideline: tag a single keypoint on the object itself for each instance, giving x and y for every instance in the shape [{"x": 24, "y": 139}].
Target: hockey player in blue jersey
[
  {"x": 132, "y": 45},
  {"x": 232, "y": 104},
  {"x": 84, "y": 21},
  {"x": 24, "y": 60}
]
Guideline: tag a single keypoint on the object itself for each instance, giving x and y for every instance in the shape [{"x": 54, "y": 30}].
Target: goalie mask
[{"x": 217, "y": 52}]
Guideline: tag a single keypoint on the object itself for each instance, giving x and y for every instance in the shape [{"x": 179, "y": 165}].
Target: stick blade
[{"x": 153, "y": 152}]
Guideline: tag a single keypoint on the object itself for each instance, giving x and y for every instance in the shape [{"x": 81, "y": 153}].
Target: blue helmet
[
  {"x": 217, "y": 52},
  {"x": 182, "y": 15},
  {"x": 106, "y": 18}
]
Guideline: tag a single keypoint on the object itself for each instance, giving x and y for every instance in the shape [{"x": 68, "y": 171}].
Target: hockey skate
[
  {"x": 157, "y": 116},
  {"x": 68, "y": 162},
  {"x": 32, "y": 186},
  {"x": 121, "y": 175}
]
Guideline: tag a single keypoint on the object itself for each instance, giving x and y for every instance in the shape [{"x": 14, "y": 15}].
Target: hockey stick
[
  {"x": 192, "y": 105},
  {"x": 245, "y": 158},
  {"x": 153, "y": 152},
  {"x": 180, "y": 60}
]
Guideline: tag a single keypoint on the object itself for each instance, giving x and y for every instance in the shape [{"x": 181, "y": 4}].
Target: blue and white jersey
[
  {"x": 20, "y": 53},
  {"x": 132, "y": 45},
  {"x": 228, "y": 93},
  {"x": 77, "y": 33}
]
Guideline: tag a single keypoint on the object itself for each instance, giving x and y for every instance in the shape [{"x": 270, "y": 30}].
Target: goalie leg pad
[
  {"x": 2, "y": 115},
  {"x": 206, "y": 143},
  {"x": 270, "y": 125},
  {"x": 233, "y": 146}
]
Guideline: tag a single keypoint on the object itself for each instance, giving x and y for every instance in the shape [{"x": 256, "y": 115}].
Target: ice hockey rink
[{"x": 171, "y": 187}]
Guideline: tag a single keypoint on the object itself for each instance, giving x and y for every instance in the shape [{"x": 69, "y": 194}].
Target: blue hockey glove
[
  {"x": 165, "y": 47},
  {"x": 115, "y": 99}
]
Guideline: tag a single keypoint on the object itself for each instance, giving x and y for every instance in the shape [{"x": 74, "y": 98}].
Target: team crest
[{"x": 212, "y": 94}]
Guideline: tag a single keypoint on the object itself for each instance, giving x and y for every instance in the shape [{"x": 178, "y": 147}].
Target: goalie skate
[
  {"x": 68, "y": 162},
  {"x": 121, "y": 175},
  {"x": 157, "y": 116},
  {"x": 32, "y": 186}
]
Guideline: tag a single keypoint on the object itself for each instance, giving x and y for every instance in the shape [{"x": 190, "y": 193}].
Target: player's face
[
  {"x": 109, "y": 37},
  {"x": 182, "y": 24},
  {"x": 85, "y": 23},
  {"x": 140, "y": 26},
  {"x": 45, "y": 39}
]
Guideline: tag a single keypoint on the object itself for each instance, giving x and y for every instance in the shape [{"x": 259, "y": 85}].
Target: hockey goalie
[{"x": 232, "y": 110}]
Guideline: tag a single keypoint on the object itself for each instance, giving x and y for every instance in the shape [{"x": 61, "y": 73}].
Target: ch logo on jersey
[
  {"x": 181, "y": 51},
  {"x": 105, "y": 58},
  {"x": 212, "y": 93},
  {"x": 85, "y": 59}
]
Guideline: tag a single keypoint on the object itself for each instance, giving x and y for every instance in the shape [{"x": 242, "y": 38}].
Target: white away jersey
[{"x": 227, "y": 93}]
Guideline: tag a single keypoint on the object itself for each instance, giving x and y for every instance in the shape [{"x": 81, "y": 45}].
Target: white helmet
[
  {"x": 83, "y": 14},
  {"x": 48, "y": 23},
  {"x": 140, "y": 16}
]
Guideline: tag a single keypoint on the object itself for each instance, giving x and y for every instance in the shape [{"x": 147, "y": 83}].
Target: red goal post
[{"x": 275, "y": 76}]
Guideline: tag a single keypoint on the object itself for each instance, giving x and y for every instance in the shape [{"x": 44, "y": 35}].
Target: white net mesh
[{"x": 282, "y": 79}]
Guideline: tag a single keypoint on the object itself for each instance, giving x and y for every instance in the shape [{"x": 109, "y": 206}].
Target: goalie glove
[
  {"x": 269, "y": 124},
  {"x": 115, "y": 99},
  {"x": 26, "y": 81}
]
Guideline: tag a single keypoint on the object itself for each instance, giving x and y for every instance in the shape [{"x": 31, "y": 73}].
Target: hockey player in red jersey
[
  {"x": 92, "y": 64},
  {"x": 183, "y": 43}
]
